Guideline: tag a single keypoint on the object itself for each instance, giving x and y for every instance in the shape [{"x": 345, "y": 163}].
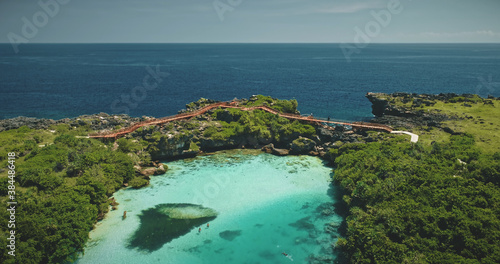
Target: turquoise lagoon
[{"x": 266, "y": 205}]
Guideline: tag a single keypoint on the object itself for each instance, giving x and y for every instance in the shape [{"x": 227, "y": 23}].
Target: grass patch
[
  {"x": 194, "y": 147},
  {"x": 479, "y": 119}
]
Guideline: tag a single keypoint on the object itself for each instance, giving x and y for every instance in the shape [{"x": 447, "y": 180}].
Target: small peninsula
[{"x": 432, "y": 201}]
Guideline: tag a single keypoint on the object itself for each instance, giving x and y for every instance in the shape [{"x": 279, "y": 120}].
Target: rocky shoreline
[
  {"x": 188, "y": 138},
  {"x": 101, "y": 121},
  {"x": 403, "y": 109},
  {"x": 223, "y": 129}
]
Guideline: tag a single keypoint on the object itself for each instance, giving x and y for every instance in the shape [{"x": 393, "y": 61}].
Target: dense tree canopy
[
  {"x": 411, "y": 204},
  {"x": 408, "y": 203},
  {"x": 63, "y": 189}
]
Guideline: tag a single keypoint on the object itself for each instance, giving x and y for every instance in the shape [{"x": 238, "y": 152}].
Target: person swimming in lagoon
[{"x": 287, "y": 256}]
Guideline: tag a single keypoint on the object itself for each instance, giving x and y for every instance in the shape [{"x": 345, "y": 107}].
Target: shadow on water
[
  {"x": 336, "y": 193},
  {"x": 165, "y": 222},
  {"x": 341, "y": 209},
  {"x": 304, "y": 224},
  {"x": 230, "y": 235}
]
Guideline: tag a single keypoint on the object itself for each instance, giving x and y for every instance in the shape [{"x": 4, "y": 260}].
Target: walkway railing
[{"x": 159, "y": 121}]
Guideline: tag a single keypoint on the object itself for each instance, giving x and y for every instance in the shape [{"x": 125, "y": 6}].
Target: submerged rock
[
  {"x": 166, "y": 222},
  {"x": 267, "y": 254},
  {"x": 230, "y": 235},
  {"x": 321, "y": 259},
  {"x": 185, "y": 211},
  {"x": 303, "y": 224}
]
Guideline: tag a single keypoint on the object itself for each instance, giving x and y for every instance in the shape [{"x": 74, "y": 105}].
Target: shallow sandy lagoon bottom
[{"x": 266, "y": 205}]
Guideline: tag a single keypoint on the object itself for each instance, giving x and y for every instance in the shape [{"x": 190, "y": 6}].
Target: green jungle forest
[{"x": 436, "y": 201}]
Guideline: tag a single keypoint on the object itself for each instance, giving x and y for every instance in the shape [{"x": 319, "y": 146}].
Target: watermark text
[
  {"x": 139, "y": 93},
  {"x": 224, "y": 6},
  {"x": 486, "y": 84},
  {"x": 11, "y": 204},
  {"x": 372, "y": 29},
  {"x": 40, "y": 19}
]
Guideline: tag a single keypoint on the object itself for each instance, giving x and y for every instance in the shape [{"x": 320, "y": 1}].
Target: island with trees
[{"x": 434, "y": 201}]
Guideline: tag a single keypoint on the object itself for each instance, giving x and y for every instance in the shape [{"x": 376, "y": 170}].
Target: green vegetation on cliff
[
  {"x": 62, "y": 188},
  {"x": 221, "y": 128},
  {"x": 258, "y": 123},
  {"x": 467, "y": 114},
  {"x": 437, "y": 201},
  {"x": 285, "y": 106},
  {"x": 63, "y": 183},
  {"x": 479, "y": 117}
]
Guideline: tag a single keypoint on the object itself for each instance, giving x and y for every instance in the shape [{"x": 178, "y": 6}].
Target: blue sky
[{"x": 249, "y": 21}]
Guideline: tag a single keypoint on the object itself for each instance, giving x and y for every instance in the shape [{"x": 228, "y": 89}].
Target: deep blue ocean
[{"x": 68, "y": 80}]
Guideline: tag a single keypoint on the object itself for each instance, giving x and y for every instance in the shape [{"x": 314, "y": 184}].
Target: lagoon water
[{"x": 266, "y": 205}]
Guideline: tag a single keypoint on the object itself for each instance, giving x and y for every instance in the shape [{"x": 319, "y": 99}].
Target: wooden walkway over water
[{"x": 355, "y": 125}]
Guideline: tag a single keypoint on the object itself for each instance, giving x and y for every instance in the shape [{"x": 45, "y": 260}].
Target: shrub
[{"x": 138, "y": 182}]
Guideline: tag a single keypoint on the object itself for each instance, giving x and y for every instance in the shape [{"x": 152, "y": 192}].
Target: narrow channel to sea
[{"x": 268, "y": 209}]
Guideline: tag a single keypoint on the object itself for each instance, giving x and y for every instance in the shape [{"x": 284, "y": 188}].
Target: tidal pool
[{"x": 257, "y": 206}]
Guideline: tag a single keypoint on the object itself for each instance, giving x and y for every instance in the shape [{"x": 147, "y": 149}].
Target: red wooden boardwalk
[{"x": 159, "y": 121}]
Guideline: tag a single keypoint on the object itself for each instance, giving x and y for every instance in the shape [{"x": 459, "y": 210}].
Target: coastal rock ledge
[{"x": 221, "y": 129}]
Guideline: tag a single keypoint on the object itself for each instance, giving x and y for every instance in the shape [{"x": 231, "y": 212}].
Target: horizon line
[{"x": 251, "y": 43}]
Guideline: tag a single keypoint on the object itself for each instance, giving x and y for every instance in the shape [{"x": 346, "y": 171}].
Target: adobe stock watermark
[
  {"x": 11, "y": 204},
  {"x": 40, "y": 19},
  {"x": 210, "y": 190},
  {"x": 224, "y": 6},
  {"x": 139, "y": 93},
  {"x": 486, "y": 84},
  {"x": 372, "y": 29}
]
